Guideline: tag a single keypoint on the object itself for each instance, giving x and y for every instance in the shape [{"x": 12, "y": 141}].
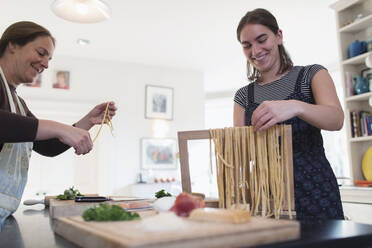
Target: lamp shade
[{"x": 83, "y": 11}]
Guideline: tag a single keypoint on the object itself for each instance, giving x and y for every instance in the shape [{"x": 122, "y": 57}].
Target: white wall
[{"x": 115, "y": 161}]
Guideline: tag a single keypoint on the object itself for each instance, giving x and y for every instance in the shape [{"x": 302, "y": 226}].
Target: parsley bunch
[
  {"x": 106, "y": 212},
  {"x": 162, "y": 193},
  {"x": 69, "y": 194}
]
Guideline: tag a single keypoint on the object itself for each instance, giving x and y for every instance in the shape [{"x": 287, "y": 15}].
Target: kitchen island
[{"x": 32, "y": 227}]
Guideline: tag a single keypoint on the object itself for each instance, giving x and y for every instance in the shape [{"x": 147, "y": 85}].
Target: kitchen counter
[{"x": 31, "y": 227}]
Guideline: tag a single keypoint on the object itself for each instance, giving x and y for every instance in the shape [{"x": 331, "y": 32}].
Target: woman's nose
[
  {"x": 255, "y": 49},
  {"x": 45, "y": 62}
]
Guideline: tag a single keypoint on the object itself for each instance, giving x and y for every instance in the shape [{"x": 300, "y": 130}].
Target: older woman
[{"x": 25, "y": 51}]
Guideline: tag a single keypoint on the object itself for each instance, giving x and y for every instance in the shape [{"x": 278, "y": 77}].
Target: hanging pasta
[
  {"x": 251, "y": 168},
  {"x": 105, "y": 120}
]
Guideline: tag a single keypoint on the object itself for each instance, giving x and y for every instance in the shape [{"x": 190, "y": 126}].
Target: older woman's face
[{"x": 32, "y": 58}]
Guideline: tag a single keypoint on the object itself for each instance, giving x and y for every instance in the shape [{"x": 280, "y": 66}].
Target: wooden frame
[{"x": 185, "y": 136}]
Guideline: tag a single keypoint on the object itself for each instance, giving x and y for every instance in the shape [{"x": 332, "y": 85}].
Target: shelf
[
  {"x": 357, "y": 60},
  {"x": 361, "y": 97},
  {"x": 357, "y": 26},
  {"x": 361, "y": 139},
  {"x": 343, "y": 4}
]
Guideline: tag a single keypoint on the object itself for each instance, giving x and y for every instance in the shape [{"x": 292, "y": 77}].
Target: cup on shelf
[
  {"x": 361, "y": 85},
  {"x": 357, "y": 47}
]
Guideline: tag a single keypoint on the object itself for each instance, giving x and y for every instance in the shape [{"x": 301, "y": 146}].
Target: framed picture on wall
[
  {"x": 158, "y": 153},
  {"x": 62, "y": 80},
  {"x": 159, "y": 102},
  {"x": 36, "y": 83}
]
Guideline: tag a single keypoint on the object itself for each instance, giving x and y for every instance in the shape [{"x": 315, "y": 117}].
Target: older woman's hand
[{"x": 96, "y": 115}]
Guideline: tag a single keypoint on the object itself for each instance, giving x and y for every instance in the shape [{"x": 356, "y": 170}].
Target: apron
[
  {"x": 14, "y": 161},
  {"x": 316, "y": 191}
]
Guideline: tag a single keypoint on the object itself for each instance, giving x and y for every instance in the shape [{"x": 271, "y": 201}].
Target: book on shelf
[{"x": 360, "y": 123}]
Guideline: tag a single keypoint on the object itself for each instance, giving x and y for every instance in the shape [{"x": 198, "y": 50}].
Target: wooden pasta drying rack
[{"x": 185, "y": 136}]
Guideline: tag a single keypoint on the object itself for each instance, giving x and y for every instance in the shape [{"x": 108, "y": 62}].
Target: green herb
[
  {"x": 69, "y": 194},
  {"x": 106, "y": 212},
  {"x": 162, "y": 193}
]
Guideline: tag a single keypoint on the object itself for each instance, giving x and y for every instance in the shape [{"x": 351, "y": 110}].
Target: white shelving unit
[
  {"x": 350, "y": 29},
  {"x": 356, "y": 201}
]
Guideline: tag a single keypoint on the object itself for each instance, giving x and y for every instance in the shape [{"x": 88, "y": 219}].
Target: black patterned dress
[{"x": 316, "y": 191}]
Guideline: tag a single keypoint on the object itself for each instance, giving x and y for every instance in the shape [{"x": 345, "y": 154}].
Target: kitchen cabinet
[
  {"x": 357, "y": 203},
  {"x": 354, "y": 22}
]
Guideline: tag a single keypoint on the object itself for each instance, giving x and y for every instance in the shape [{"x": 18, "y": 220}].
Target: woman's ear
[
  {"x": 279, "y": 37},
  {"x": 12, "y": 47}
]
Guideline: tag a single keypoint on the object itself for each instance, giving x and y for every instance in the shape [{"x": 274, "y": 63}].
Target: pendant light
[{"x": 83, "y": 11}]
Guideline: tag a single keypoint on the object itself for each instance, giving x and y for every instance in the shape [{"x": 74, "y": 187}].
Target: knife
[
  {"x": 33, "y": 202},
  {"x": 102, "y": 199}
]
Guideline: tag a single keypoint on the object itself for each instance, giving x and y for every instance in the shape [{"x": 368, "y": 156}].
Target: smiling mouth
[
  {"x": 37, "y": 70},
  {"x": 259, "y": 58}
]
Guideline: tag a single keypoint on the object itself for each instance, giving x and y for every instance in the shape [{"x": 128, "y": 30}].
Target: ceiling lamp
[{"x": 84, "y": 11}]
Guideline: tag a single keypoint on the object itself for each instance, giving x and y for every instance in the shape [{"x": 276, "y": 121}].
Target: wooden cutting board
[
  {"x": 198, "y": 234},
  {"x": 61, "y": 208}
]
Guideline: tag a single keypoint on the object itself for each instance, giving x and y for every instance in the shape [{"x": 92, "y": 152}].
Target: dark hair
[
  {"x": 21, "y": 33},
  {"x": 265, "y": 18}
]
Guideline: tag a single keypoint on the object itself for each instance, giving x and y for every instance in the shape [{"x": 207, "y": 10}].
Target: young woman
[
  {"x": 25, "y": 51},
  {"x": 302, "y": 96}
]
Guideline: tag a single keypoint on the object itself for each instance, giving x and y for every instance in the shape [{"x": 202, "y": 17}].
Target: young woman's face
[
  {"x": 260, "y": 46},
  {"x": 32, "y": 58}
]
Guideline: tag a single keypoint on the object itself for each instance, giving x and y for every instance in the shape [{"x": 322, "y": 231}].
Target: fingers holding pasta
[
  {"x": 269, "y": 113},
  {"x": 106, "y": 110},
  {"x": 77, "y": 138}
]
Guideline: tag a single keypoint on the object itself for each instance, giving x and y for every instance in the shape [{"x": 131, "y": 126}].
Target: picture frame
[
  {"x": 61, "y": 80},
  {"x": 158, "y": 154},
  {"x": 159, "y": 102}
]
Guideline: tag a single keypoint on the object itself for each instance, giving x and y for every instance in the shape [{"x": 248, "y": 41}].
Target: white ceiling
[{"x": 193, "y": 34}]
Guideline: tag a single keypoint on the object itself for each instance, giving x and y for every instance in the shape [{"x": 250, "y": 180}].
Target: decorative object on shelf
[
  {"x": 359, "y": 17},
  {"x": 368, "y": 60},
  {"x": 361, "y": 85},
  {"x": 83, "y": 11},
  {"x": 158, "y": 153},
  {"x": 357, "y": 47},
  {"x": 367, "y": 164},
  {"x": 369, "y": 45},
  {"x": 36, "y": 83},
  {"x": 62, "y": 80},
  {"x": 159, "y": 102}
]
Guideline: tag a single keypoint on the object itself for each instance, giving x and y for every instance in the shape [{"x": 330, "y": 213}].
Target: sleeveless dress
[{"x": 316, "y": 190}]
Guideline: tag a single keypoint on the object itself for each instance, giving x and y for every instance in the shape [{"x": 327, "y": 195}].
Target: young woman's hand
[{"x": 269, "y": 113}]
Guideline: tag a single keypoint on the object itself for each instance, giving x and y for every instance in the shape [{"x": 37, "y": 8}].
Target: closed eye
[
  {"x": 262, "y": 40},
  {"x": 42, "y": 53},
  {"x": 246, "y": 45}
]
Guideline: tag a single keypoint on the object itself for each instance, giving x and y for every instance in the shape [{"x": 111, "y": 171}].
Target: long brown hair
[
  {"x": 21, "y": 33},
  {"x": 265, "y": 18}
]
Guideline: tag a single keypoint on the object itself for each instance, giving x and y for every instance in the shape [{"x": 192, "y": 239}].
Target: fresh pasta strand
[
  {"x": 251, "y": 168},
  {"x": 105, "y": 120}
]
